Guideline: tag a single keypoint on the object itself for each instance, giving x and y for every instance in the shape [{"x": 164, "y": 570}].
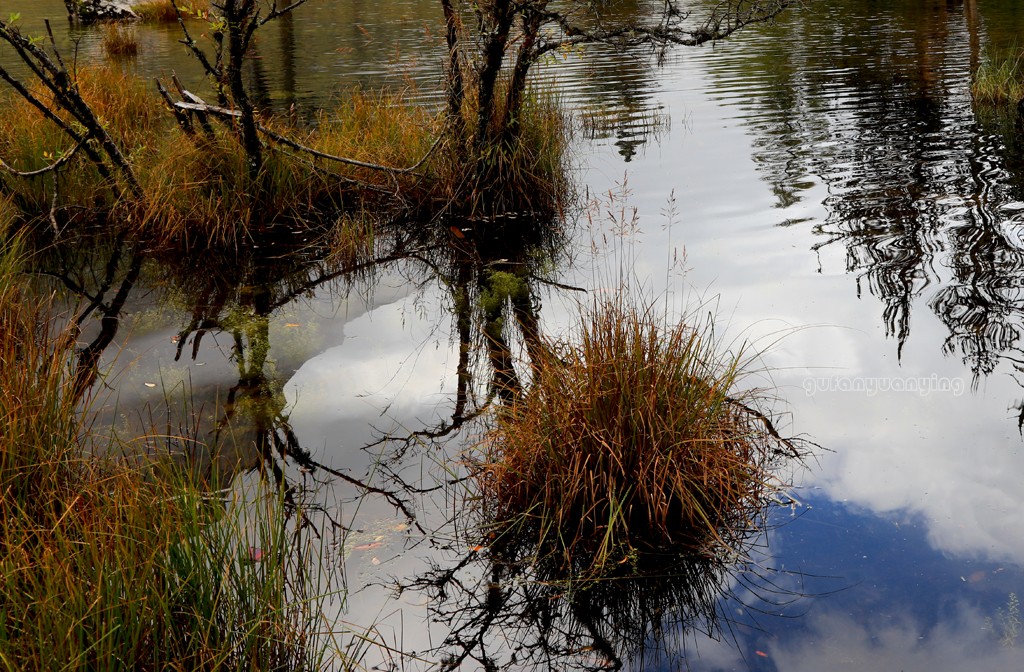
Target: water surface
[{"x": 827, "y": 185}]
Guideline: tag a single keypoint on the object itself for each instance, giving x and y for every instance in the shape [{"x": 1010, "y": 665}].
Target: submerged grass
[
  {"x": 629, "y": 443},
  {"x": 107, "y": 567},
  {"x": 1000, "y": 78}
]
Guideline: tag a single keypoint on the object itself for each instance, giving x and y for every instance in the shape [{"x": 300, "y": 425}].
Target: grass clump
[
  {"x": 133, "y": 116},
  {"x": 629, "y": 443},
  {"x": 521, "y": 169},
  {"x": 1000, "y": 79},
  {"x": 107, "y": 567},
  {"x": 120, "y": 40}
]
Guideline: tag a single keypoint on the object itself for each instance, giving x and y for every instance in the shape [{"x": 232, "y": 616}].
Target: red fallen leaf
[
  {"x": 761, "y": 653},
  {"x": 367, "y": 547},
  {"x": 456, "y": 231},
  {"x": 476, "y": 548}
]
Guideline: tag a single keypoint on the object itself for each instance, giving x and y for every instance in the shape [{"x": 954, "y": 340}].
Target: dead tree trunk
[
  {"x": 495, "y": 24},
  {"x": 455, "y": 84},
  {"x": 241, "y": 24}
]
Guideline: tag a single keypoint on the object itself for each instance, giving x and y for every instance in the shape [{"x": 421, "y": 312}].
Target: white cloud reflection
[
  {"x": 837, "y": 642},
  {"x": 951, "y": 460}
]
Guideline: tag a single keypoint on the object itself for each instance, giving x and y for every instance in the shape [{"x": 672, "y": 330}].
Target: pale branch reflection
[{"x": 489, "y": 271}]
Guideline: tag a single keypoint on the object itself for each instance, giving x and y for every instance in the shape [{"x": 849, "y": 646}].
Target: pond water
[{"x": 825, "y": 184}]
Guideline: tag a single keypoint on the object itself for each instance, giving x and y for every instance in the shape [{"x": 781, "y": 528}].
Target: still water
[{"x": 826, "y": 185}]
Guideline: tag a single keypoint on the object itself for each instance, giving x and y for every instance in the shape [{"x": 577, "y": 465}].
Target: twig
[
  {"x": 53, "y": 166},
  {"x": 352, "y": 162},
  {"x": 53, "y": 207},
  {"x": 184, "y": 122},
  {"x": 275, "y": 12}
]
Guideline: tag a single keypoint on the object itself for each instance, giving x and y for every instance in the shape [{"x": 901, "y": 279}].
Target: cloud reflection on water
[{"x": 838, "y": 642}]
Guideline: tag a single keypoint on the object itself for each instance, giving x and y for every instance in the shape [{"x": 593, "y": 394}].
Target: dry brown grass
[
  {"x": 120, "y": 40},
  {"x": 198, "y": 190},
  {"x": 162, "y": 11}
]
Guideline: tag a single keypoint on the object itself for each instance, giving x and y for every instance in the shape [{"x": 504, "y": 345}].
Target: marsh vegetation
[
  {"x": 622, "y": 453},
  {"x": 631, "y": 441},
  {"x": 109, "y": 564},
  {"x": 999, "y": 80}
]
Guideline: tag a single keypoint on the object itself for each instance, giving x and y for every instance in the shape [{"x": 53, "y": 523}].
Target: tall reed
[
  {"x": 999, "y": 79},
  {"x": 108, "y": 567}
]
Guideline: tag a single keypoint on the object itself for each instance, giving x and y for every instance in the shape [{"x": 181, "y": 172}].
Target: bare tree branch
[{"x": 52, "y": 167}]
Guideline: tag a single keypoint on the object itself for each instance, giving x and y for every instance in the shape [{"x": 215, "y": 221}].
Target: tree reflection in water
[
  {"x": 507, "y": 604},
  {"x": 924, "y": 185},
  {"x": 501, "y": 605},
  {"x": 506, "y": 610}
]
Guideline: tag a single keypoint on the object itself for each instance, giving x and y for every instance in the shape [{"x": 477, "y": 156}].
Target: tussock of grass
[
  {"x": 523, "y": 172},
  {"x": 1000, "y": 79},
  {"x": 120, "y": 40},
  {"x": 629, "y": 442},
  {"x": 375, "y": 126},
  {"x": 103, "y": 567}
]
